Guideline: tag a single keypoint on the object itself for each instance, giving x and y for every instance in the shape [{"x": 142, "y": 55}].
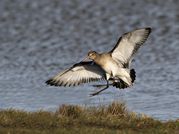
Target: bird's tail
[{"x": 121, "y": 84}]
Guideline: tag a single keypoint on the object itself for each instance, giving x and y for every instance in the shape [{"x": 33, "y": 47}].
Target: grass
[{"x": 76, "y": 119}]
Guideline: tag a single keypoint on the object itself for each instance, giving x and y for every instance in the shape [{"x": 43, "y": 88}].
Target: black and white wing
[
  {"x": 79, "y": 73},
  {"x": 128, "y": 44}
]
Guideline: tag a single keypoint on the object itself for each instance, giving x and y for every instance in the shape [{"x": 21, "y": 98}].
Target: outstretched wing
[
  {"x": 82, "y": 72},
  {"x": 128, "y": 44}
]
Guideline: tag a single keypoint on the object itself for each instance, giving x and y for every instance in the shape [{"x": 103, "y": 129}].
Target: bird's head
[{"x": 91, "y": 55}]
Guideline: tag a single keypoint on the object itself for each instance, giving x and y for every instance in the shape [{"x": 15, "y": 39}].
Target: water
[{"x": 40, "y": 38}]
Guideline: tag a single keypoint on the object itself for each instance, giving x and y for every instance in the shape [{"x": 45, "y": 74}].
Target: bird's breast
[
  {"x": 111, "y": 68},
  {"x": 107, "y": 64}
]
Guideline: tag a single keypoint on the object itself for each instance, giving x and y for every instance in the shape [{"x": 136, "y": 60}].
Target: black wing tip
[
  {"x": 149, "y": 29},
  {"x": 50, "y": 82}
]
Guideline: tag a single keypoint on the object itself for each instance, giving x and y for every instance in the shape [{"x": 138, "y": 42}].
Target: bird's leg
[
  {"x": 102, "y": 85},
  {"x": 96, "y": 93}
]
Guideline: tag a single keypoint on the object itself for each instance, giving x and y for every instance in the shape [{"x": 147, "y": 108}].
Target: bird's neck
[
  {"x": 101, "y": 59},
  {"x": 98, "y": 59}
]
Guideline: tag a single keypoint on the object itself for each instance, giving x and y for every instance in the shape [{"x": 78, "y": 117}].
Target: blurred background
[{"x": 40, "y": 38}]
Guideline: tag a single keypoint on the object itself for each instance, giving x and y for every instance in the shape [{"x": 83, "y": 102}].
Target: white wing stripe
[
  {"x": 128, "y": 44},
  {"x": 82, "y": 72}
]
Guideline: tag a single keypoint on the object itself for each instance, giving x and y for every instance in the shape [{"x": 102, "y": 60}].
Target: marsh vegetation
[{"x": 114, "y": 118}]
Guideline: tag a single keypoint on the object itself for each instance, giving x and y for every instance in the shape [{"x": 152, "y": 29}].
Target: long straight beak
[{"x": 86, "y": 58}]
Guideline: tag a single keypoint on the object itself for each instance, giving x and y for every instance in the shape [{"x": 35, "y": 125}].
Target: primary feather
[{"x": 79, "y": 73}]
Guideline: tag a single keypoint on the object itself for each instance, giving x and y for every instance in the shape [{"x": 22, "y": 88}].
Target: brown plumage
[{"x": 110, "y": 66}]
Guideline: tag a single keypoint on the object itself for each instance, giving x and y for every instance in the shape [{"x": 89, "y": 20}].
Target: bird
[{"x": 113, "y": 66}]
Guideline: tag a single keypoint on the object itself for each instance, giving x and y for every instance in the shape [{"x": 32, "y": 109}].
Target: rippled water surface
[{"x": 40, "y": 38}]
